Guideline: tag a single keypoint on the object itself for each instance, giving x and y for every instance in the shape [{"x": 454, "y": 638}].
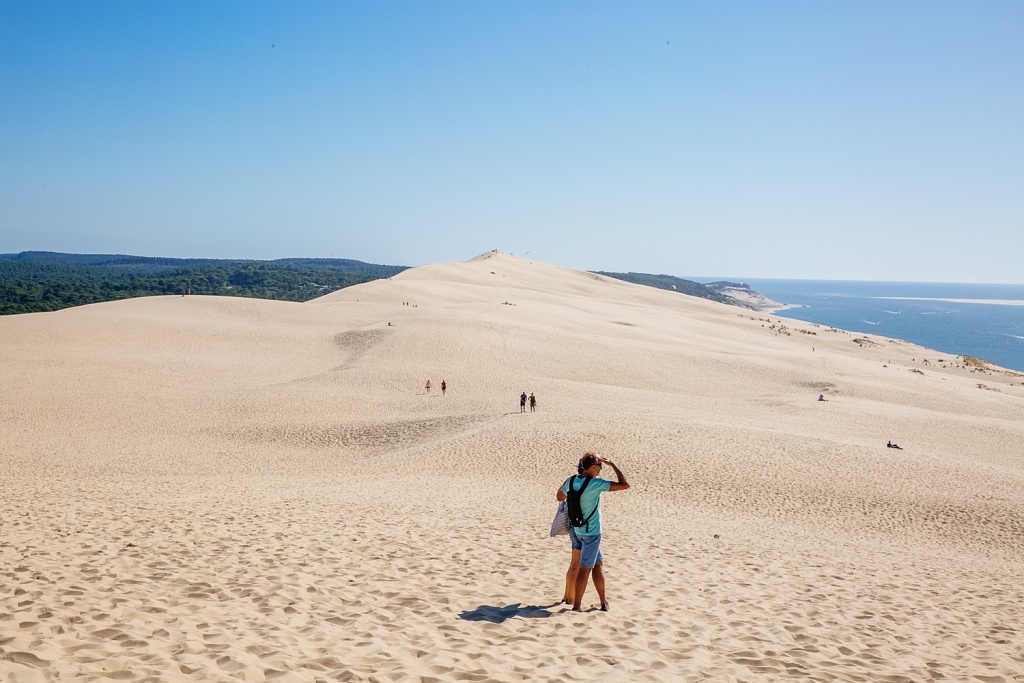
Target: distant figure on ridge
[
  {"x": 428, "y": 387},
  {"x": 444, "y": 387},
  {"x": 533, "y": 403},
  {"x": 522, "y": 402}
]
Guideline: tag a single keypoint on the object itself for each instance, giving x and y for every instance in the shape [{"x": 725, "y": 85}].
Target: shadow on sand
[{"x": 497, "y": 615}]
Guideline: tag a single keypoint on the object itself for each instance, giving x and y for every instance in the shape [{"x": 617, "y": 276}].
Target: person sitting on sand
[
  {"x": 821, "y": 397},
  {"x": 587, "y": 538}
]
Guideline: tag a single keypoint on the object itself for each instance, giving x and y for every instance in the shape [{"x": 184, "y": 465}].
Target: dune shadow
[{"x": 497, "y": 615}]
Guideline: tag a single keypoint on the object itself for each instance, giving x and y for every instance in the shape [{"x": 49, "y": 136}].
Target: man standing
[
  {"x": 522, "y": 402},
  {"x": 587, "y": 538}
]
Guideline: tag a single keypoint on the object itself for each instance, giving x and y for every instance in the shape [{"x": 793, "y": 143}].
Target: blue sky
[{"x": 832, "y": 140}]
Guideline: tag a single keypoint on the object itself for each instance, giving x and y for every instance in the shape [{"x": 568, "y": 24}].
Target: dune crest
[{"x": 204, "y": 488}]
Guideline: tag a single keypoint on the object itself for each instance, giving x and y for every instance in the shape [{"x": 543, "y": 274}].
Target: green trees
[
  {"x": 676, "y": 284},
  {"x": 34, "y": 281},
  {"x": 47, "y": 281}
]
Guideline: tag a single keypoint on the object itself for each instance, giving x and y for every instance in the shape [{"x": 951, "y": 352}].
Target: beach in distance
[
  {"x": 980, "y": 320},
  {"x": 202, "y": 488}
]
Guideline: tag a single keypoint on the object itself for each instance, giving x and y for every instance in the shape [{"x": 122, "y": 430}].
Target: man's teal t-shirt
[{"x": 590, "y": 499}]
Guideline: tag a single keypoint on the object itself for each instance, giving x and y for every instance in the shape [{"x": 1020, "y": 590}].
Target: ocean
[{"x": 985, "y": 321}]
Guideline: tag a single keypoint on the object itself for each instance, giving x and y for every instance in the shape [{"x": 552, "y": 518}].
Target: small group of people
[
  {"x": 586, "y": 559},
  {"x": 523, "y": 400},
  {"x": 444, "y": 387}
]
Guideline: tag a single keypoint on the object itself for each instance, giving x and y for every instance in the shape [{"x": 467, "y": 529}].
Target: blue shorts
[{"x": 589, "y": 547}]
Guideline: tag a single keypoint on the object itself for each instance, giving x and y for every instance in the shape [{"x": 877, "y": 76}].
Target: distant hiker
[
  {"x": 444, "y": 387},
  {"x": 583, "y": 494},
  {"x": 533, "y": 403},
  {"x": 522, "y": 402},
  {"x": 428, "y": 387}
]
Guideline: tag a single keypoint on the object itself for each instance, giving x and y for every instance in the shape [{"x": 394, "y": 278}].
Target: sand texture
[{"x": 217, "y": 489}]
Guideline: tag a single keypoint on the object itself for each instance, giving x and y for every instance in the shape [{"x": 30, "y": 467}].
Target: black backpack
[{"x": 575, "y": 508}]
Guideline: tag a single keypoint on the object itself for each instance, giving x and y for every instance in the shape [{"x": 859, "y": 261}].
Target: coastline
[
  {"x": 983, "y": 324},
  {"x": 783, "y": 307}
]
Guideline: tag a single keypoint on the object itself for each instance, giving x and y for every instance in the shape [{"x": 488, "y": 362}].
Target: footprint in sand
[{"x": 25, "y": 658}]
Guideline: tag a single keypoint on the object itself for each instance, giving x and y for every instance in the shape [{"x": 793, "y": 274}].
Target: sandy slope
[{"x": 215, "y": 489}]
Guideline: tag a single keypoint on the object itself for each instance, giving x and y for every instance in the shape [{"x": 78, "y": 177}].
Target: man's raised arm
[{"x": 621, "y": 484}]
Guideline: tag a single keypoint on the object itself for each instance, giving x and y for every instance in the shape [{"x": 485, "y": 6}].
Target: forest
[
  {"x": 676, "y": 284},
  {"x": 35, "y": 281}
]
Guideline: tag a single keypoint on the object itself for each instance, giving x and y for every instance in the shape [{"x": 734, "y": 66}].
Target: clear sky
[{"x": 832, "y": 140}]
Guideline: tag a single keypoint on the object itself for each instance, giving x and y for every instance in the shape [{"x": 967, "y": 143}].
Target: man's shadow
[{"x": 497, "y": 615}]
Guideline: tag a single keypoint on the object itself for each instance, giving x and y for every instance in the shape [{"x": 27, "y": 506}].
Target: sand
[{"x": 202, "y": 488}]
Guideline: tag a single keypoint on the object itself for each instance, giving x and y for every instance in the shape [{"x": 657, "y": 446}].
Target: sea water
[{"x": 985, "y": 321}]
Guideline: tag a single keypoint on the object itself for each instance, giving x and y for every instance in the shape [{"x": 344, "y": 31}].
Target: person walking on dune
[
  {"x": 585, "y": 532},
  {"x": 428, "y": 387},
  {"x": 533, "y": 403},
  {"x": 444, "y": 387}
]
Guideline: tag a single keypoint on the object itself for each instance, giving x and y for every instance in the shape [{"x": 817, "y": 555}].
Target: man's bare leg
[
  {"x": 581, "y": 585},
  {"x": 599, "y": 582},
  {"x": 570, "y": 578}
]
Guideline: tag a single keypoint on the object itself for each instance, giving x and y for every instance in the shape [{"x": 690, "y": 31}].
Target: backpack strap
[{"x": 586, "y": 481}]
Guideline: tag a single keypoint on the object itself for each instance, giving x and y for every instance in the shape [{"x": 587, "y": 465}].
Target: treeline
[
  {"x": 31, "y": 282},
  {"x": 675, "y": 284}
]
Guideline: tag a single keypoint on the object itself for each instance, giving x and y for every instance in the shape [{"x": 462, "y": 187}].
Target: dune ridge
[{"x": 204, "y": 488}]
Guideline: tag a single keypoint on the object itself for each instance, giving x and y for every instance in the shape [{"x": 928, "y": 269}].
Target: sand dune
[{"x": 201, "y": 488}]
